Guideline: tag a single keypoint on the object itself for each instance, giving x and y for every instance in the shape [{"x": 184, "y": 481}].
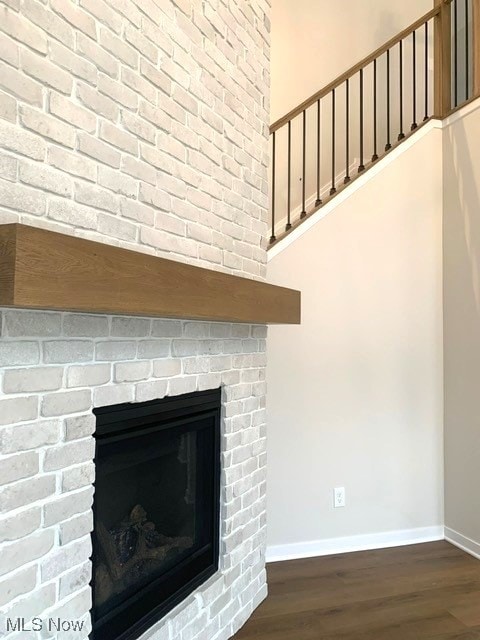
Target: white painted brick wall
[
  {"x": 143, "y": 124},
  {"x": 47, "y": 447}
]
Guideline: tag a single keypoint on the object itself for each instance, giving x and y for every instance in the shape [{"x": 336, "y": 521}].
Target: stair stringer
[{"x": 355, "y": 186}]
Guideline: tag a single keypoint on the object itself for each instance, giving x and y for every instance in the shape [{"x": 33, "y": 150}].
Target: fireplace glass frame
[{"x": 127, "y": 620}]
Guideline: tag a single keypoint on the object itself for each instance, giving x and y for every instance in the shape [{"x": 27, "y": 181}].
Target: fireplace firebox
[{"x": 156, "y": 509}]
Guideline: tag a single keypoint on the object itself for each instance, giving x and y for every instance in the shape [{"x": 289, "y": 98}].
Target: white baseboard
[
  {"x": 331, "y": 546},
  {"x": 462, "y": 542}
]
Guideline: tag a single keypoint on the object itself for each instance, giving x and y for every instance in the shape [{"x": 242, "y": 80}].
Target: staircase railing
[{"x": 428, "y": 70}]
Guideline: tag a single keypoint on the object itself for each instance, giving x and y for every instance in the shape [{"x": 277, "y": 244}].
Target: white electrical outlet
[{"x": 339, "y": 497}]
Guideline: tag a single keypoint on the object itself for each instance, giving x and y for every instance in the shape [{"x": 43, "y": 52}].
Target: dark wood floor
[{"x": 407, "y": 593}]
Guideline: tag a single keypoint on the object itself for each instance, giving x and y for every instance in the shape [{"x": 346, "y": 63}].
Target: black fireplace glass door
[{"x": 156, "y": 515}]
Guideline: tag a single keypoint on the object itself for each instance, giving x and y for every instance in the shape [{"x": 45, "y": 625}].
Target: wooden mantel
[{"x": 42, "y": 269}]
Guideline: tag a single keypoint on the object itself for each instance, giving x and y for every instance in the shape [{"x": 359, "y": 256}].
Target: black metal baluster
[
  {"x": 333, "y": 189},
  {"x": 375, "y": 128},
  {"x": 414, "y": 44},
  {"x": 389, "y": 142},
  {"x": 318, "y": 201},
  {"x": 426, "y": 71},
  {"x": 273, "y": 237},
  {"x": 347, "y": 136},
  {"x": 304, "y": 161},
  {"x": 467, "y": 52},
  {"x": 288, "y": 226},
  {"x": 401, "y": 135},
  {"x": 455, "y": 49},
  {"x": 361, "y": 166}
]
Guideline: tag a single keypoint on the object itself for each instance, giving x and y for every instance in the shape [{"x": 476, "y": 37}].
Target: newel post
[
  {"x": 443, "y": 58},
  {"x": 476, "y": 47}
]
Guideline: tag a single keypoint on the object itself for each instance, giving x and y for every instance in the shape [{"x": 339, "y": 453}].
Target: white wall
[
  {"x": 307, "y": 51},
  {"x": 462, "y": 328},
  {"x": 355, "y": 392}
]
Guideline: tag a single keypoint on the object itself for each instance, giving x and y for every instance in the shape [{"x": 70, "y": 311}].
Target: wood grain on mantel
[{"x": 42, "y": 269}]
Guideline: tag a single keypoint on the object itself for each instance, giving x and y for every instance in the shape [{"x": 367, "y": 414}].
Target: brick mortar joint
[{"x": 61, "y": 177}]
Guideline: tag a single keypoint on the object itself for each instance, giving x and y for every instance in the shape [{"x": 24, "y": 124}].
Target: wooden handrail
[{"x": 356, "y": 68}]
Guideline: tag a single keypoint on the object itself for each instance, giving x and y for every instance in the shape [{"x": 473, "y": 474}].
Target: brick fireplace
[
  {"x": 51, "y": 385},
  {"x": 141, "y": 125}
]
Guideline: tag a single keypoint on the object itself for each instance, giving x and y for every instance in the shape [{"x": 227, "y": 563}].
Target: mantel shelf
[{"x": 42, "y": 269}]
